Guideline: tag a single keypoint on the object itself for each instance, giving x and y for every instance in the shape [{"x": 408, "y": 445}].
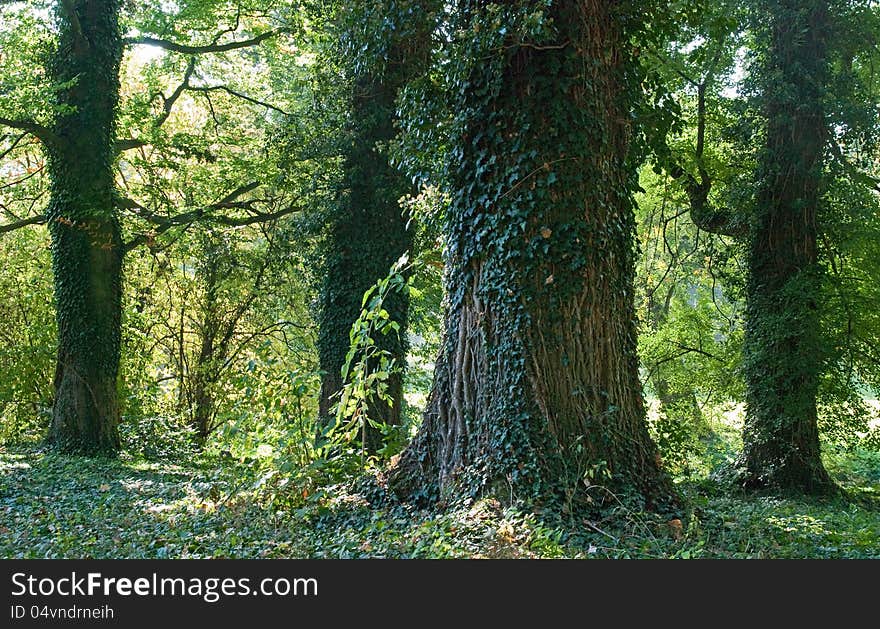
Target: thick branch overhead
[
  {"x": 231, "y": 92},
  {"x": 187, "y": 49},
  {"x": 39, "y": 131},
  {"x": 33, "y": 220},
  {"x": 230, "y": 201}
]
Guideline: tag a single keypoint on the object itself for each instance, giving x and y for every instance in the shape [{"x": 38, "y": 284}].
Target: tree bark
[
  {"x": 369, "y": 231},
  {"x": 368, "y": 235},
  {"x": 86, "y": 239},
  {"x": 783, "y": 349},
  {"x": 536, "y": 391}
]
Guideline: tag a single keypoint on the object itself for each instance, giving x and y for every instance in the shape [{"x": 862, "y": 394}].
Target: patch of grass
[{"x": 54, "y": 506}]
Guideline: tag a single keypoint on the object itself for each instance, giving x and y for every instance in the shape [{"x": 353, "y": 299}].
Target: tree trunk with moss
[
  {"x": 368, "y": 235},
  {"x": 368, "y": 229},
  {"x": 86, "y": 238},
  {"x": 536, "y": 391},
  {"x": 783, "y": 349}
]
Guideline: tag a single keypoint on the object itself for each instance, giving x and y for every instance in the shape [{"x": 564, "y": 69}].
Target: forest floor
[{"x": 53, "y": 506}]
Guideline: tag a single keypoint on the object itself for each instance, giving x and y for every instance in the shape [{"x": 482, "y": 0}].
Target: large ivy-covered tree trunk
[
  {"x": 368, "y": 229},
  {"x": 783, "y": 350},
  {"x": 536, "y": 391},
  {"x": 86, "y": 239}
]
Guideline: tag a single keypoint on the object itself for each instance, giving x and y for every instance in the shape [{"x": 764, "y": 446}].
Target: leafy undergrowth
[{"x": 53, "y": 506}]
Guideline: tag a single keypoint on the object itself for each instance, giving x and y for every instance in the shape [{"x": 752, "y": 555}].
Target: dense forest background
[{"x": 538, "y": 278}]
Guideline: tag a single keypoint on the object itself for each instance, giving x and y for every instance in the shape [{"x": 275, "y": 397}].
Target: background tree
[
  {"x": 690, "y": 339},
  {"x": 209, "y": 200},
  {"x": 848, "y": 231},
  {"x": 783, "y": 348},
  {"x": 29, "y": 342},
  {"x": 691, "y": 219},
  {"x": 83, "y": 212},
  {"x": 713, "y": 161},
  {"x": 383, "y": 46}
]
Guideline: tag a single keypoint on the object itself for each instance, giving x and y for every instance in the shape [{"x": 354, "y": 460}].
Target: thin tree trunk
[
  {"x": 202, "y": 376},
  {"x": 203, "y": 409},
  {"x": 86, "y": 239},
  {"x": 202, "y": 380}
]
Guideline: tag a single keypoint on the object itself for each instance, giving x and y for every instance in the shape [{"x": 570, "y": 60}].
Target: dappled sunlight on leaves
[{"x": 54, "y": 506}]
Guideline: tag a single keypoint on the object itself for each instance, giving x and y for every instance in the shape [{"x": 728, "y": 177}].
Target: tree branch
[
  {"x": 44, "y": 134},
  {"x": 184, "y": 85},
  {"x": 15, "y": 143},
  {"x": 664, "y": 60},
  {"x": 188, "y": 218},
  {"x": 232, "y": 196},
  {"x": 714, "y": 221},
  {"x": 255, "y": 218},
  {"x": 214, "y": 88},
  {"x": 205, "y": 49},
  {"x": 33, "y": 220},
  {"x": 23, "y": 179},
  {"x": 696, "y": 350},
  {"x": 164, "y": 223},
  {"x": 128, "y": 144},
  {"x": 81, "y": 42},
  {"x": 851, "y": 169},
  {"x": 167, "y": 105}
]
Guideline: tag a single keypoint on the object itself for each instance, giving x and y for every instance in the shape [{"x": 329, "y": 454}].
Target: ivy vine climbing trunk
[
  {"x": 368, "y": 230},
  {"x": 86, "y": 239},
  {"x": 783, "y": 349},
  {"x": 536, "y": 391}
]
